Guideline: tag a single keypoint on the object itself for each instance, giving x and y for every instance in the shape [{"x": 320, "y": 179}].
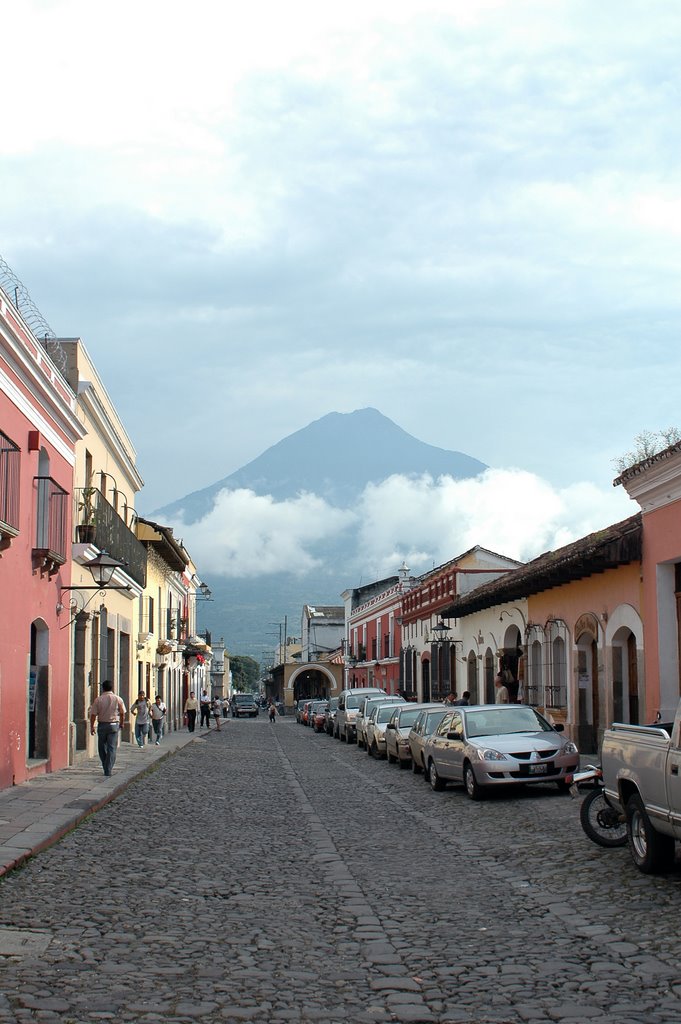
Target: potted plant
[{"x": 88, "y": 515}]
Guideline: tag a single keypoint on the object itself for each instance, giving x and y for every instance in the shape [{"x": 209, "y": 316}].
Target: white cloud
[
  {"x": 249, "y": 535},
  {"x": 510, "y": 511},
  {"x": 425, "y": 521}
]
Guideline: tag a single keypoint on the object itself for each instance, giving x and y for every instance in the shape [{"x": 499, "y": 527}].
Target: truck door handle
[{"x": 675, "y": 769}]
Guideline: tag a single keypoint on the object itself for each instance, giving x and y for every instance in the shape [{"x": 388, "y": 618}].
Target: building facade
[{"x": 39, "y": 432}]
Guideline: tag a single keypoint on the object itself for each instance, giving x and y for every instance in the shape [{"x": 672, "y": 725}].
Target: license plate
[{"x": 537, "y": 769}]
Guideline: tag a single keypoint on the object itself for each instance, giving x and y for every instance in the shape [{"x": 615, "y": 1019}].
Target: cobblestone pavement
[{"x": 266, "y": 873}]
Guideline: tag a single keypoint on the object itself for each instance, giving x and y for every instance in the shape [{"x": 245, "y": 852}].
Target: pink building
[
  {"x": 38, "y": 432},
  {"x": 655, "y": 483}
]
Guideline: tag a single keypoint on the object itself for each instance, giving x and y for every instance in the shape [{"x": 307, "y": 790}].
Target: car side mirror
[
  {"x": 391, "y": 725},
  {"x": 454, "y": 736},
  {"x": 559, "y": 727}
]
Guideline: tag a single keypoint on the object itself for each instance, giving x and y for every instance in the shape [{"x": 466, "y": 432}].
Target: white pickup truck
[{"x": 642, "y": 776}]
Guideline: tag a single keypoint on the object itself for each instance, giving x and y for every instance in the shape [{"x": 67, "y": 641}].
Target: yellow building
[
  {"x": 171, "y": 658},
  {"x": 102, "y": 620}
]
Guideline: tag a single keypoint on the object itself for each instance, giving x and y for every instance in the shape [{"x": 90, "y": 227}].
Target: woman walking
[{"x": 191, "y": 709}]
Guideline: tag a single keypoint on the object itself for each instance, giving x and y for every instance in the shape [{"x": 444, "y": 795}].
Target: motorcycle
[{"x": 603, "y": 823}]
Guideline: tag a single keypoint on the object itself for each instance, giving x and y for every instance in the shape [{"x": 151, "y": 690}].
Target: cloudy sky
[{"x": 464, "y": 214}]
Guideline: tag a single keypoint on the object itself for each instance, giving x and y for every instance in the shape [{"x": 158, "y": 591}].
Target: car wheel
[
  {"x": 434, "y": 779},
  {"x": 474, "y": 790},
  {"x": 651, "y": 851},
  {"x": 368, "y": 749},
  {"x": 391, "y": 757},
  {"x": 416, "y": 767}
]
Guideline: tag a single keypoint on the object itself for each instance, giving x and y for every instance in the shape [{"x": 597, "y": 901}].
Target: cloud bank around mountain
[{"x": 424, "y": 521}]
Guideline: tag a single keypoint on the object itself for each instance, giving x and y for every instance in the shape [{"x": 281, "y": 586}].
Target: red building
[
  {"x": 373, "y": 616},
  {"x": 38, "y": 432}
]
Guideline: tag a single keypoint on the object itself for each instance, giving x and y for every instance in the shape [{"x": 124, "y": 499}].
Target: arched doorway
[
  {"x": 472, "y": 676},
  {"x": 625, "y": 694},
  {"x": 589, "y": 726},
  {"x": 425, "y": 680},
  {"x": 38, "y": 692},
  {"x": 311, "y": 682},
  {"x": 509, "y": 662},
  {"x": 490, "y": 695}
]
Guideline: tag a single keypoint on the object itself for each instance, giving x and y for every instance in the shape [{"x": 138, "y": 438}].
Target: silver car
[
  {"x": 397, "y": 734},
  {"x": 427, "y": 722},
  {"x": 376, "y": 726},
  {"x": 365, "y": 706},
  {"x": 497, "y": 745},
  {"x": 348, "y": 706}
]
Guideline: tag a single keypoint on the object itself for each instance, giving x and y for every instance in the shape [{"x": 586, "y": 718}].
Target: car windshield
[
  {"x": 384, "y": 714},
  {"x": 243, "y": 700},
  {"x": 432, "y": 721},
  {"x": 502, "y": 721},
  {"x": 407, "y": 718}
]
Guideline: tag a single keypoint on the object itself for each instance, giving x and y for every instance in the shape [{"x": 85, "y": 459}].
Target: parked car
[
  {"x": 300, "y": 707},
  {"x": 330, "y": 716},
  {"x": 243, "y": 704},
  {"x": 375, "y": 728},
  {"x": 430, "y": 716},
  {"x": 348, "y": 706},
  {"x": 305, "y": 719},
  {"x": 365, "y": 705},
  {"x": 497, "y": 745},
  {"x": 317, "y": 714},
  {"x": 397, "y": 734}
]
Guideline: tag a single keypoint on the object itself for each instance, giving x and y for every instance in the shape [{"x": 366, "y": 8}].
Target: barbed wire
[{"x": 19, "y": 296}]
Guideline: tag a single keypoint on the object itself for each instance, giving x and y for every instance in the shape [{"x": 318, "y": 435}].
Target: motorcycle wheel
[{"x": 601, "y": 821}]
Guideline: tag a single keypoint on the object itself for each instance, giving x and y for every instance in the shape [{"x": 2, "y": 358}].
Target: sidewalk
[{"x": 38, "y": 813}]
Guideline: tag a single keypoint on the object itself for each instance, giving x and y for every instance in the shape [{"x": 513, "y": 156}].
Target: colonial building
[
  {"x": 39, "y": 432},
  {"x": 373, "y": 615},
  {"x": 567, "y": 627},
  {"x": 163, "y": 618},
  {"x": 436, "y": 660},
  {"x": 103, "y": 621},
  {"x": 322, "y": 630},
  {"x": 655, "y": 483}
]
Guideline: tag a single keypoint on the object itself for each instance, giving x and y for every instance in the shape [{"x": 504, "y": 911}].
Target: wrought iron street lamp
[{"x": 102, "y": 568}]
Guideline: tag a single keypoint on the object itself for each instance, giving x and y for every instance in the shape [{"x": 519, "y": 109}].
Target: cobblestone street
[{"x": 267, "y": 873}]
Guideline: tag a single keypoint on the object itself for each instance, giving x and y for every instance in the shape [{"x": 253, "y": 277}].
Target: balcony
[
  {"x": 51, "y": 508},
  {"x": 10, "y": 457},
  {"x": 98, "y": 523}
]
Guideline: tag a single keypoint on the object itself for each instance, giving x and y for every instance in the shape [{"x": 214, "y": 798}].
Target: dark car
[{"x": 243, "y": 704}]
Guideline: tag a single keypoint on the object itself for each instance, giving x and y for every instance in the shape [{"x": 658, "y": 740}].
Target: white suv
[
  {"x": 348, "y": 706},
  {"x": 366, "y": 704}
]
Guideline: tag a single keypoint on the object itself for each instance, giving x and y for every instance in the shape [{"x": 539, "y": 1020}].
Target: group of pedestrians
[
  {"x": 208, "y": 707},
  {"x": 108, "y": 712}
]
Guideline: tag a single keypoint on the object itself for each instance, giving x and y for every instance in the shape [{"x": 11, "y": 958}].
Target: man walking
[
  {"x": 205, "y": 709},
  {"x": 158, "y": 714},
  {"x": 108, "y": 710},
  {"x": 142, "y": 711}
]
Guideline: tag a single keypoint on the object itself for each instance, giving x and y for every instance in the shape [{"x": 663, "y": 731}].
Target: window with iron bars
[{"x": 10, "y": 457}]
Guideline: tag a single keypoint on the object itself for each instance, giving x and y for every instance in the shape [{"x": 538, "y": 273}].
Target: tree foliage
[
  {"x": 647, "y": 444},
  {"x": 245, "y": 673}
]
